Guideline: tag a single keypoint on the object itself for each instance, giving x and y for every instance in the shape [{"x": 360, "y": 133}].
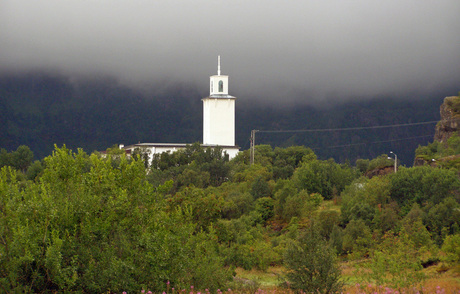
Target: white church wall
[
  {"x": 219, "y": 121},
  {"x": 159, "y": 148}
]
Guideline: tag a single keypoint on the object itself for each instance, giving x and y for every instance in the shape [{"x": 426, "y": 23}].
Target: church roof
[
  {"x": 172, "y": 145},
  {"x": 221, "y": 96}
]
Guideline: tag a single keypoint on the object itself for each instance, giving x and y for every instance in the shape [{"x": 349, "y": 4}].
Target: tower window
[
  {"x": 221, "y": 86},
  {"x": 211, "y": 86}
]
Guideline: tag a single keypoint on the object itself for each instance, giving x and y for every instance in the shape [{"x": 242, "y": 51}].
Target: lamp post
[
  {"x": 253, "y": 143},
  {"x": 396, "y": 161}
]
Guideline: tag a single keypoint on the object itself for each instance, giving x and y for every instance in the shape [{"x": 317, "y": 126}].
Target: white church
[{"x": 218, "y": 122}]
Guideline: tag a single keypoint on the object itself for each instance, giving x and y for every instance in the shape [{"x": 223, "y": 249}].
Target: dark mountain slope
[{"x": 40, "y": 110}]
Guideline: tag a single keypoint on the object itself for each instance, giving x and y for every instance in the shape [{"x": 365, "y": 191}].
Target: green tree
[
  {"x": 422, "y": 184},
  {"x": 443, "y": 219},
  {"x": 324, "y": 177},
  {"x": 357, "y": 238},
  {"x": 451, "y": 246},
  {"x": 22, "y": 158},
  {"x": 260, "y": 188},
  {"x": 5, "y": 158},
  {"x": 142, "y": 154},
  {"x": 311, "y": 265},
  {"x": 209, "y": 166},
  {"x": 87, "y": 225},
  {"x": 395, "y": 263},
  {"x": 362, "y": 165},
  {"x": 286, "y": 160},
  {"x": 19, "y": 159},
  {"x": 364, "y": 199},
  {"x": 264, "y": 207},
  {"x": 34, "y": 170},
  {"x": 380, "y": 162}
]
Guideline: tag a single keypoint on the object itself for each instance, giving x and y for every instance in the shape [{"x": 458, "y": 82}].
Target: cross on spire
[{"x": 218, "y": 65}]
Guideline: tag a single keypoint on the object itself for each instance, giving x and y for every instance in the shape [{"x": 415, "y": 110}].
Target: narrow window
[
  {"x": 211, "y": 87},
  {"x": 221, "y": 86}
]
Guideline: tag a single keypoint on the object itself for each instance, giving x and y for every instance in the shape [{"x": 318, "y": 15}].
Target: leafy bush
[
  {"x": 90, "y": 226},
  {"x": 311, "y": 265},
  {"x": 421, "y": 184},
  {"x": 357, "y": 238},
  {"x": 326, "y": 178},
  {"x": 443, "y": 219},
  {"x": 363, "y": 197},
  {"x": 395, "y": 263},
  {"x": 380, "y": 161},
  {"x": 451, "y": 247}
]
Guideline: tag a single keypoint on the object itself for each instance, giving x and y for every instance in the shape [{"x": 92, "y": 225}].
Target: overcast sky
[{"x": 283, "y": 50}]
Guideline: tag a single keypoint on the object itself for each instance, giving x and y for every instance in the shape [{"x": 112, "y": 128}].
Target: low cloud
[{"x": 272, "y": 50}]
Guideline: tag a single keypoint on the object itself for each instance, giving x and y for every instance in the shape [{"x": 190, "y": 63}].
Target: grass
[
  {"x": 267, "y": 279},
  {"x": 437, "y": 281}
]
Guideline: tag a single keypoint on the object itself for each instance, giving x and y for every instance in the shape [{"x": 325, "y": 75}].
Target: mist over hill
[{"x": 40, "y": 110}]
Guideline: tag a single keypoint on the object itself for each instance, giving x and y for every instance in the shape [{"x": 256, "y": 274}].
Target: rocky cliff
[
  {"x": 450, "y": 119},
  {"x": 445, "y": 150}
]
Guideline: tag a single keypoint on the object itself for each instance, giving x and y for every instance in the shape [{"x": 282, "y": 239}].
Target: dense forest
[
  {"x": 40, "y": 110},
  {"x": 107, "y": 223}
]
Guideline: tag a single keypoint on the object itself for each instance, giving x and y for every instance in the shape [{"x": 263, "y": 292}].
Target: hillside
[{"x": 40, "y": 110}]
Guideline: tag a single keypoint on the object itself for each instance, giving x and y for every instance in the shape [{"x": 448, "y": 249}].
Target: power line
[
  {"x": 374, "y": 142},
  {"x": 348, "y": 129},
  {"x": 353, "y": 129}
]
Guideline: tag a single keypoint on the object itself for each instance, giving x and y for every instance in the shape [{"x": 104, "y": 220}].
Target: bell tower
[
  {"x": 218, "y": 83},
  {"x": 219, "y": 112}
]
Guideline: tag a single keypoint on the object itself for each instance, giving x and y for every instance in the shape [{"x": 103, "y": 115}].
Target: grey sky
[{"x": 301, "y": 49}]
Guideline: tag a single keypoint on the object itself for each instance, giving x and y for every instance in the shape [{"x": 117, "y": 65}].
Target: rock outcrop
[
  {"x": 446, "y": 154},
  {"x": 380, "y": 171},
  {"x": 421, "y": 161},
  {"x": 450, "y": 120}
]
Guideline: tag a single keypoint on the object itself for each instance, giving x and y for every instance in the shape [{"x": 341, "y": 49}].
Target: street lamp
[{"x": 396, "y": 161}]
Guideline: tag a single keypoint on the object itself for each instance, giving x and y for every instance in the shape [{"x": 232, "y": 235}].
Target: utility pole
[
  {"x": 396, "y": 161},
  {"x": 253, "y": 143}
]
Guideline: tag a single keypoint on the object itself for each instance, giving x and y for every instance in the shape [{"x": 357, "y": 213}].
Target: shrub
[
  {"x": 395, "y": 263},
  {"x": 312, "y": 265},
  {"x": 451, "y": 247}
]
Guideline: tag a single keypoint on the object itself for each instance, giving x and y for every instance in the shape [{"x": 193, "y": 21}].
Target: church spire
[
  {"x": 218, "y": 65},
  {"x": 218, "y": 83}
]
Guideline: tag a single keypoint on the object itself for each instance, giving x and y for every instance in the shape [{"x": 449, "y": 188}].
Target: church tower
[{"x": 219, "y": 112}]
